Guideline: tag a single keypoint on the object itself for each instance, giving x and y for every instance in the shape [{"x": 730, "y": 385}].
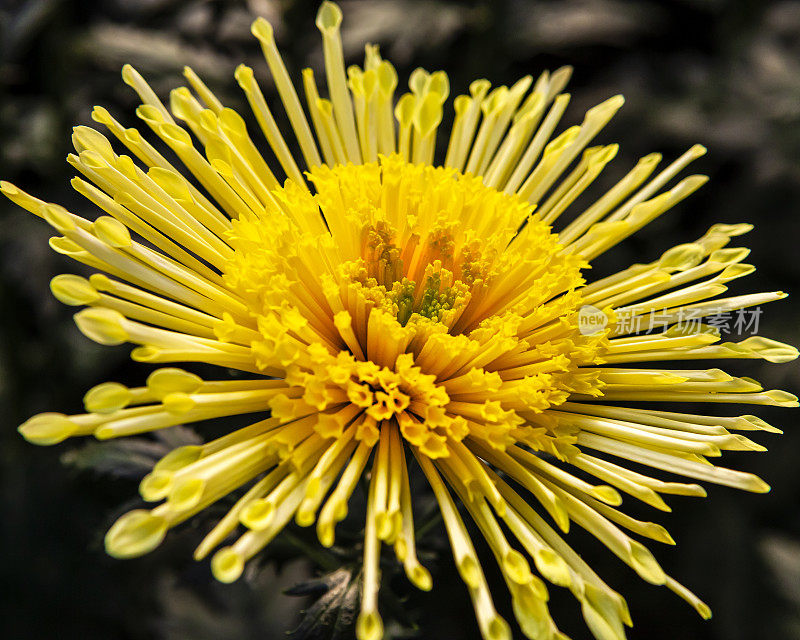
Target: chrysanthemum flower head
[{"x": 384, "y": 306}]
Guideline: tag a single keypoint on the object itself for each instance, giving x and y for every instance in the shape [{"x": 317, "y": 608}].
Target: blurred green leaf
[
  {"x": 128, "y": 457},
  {"x": 332, "y": 616}
]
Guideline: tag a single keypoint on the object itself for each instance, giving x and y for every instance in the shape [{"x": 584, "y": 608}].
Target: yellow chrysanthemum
[{"x": 389, "y": 308}]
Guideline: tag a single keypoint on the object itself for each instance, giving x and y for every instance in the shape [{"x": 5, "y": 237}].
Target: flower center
[
  {"x": 427, "y": 243},
  {"x": 412, "y": 294}
]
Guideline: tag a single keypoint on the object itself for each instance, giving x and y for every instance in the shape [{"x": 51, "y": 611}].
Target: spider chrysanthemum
[{"x": 386, "y": 308}]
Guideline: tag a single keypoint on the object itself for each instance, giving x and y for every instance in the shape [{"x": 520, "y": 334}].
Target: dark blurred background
[{"x": 725, "y": 74}]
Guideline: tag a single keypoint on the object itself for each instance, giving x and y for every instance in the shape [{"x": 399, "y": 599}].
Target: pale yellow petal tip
[
  {"x": 227, "y": 565},
  {"x": 691, "y": 183},
  {"x": 262, "y": 29},
  {"x": 496, "y": 628},
  {"x": 304, "y": 517},
  {"x": 325, "y": 534},
  {"x": 100, "y": 114},
  {"x": 387, "y": 525},
  {"x": 186, "y": 494},
  {"x": 516, "y": 567},
  {"x": 329, "y": 17},
  {"x": 615, "y": 102},
  {"x": 420, "y": 577},
  {"x": 92, "y": 159},
  {"x": 73, "y": 290},
  {"x": 369, "y": 626},
  {"x": 146, "y": 354},
  {"x": 66, "y": 247},
  {"x": 770, "y": 350},
  {"x": 100, "y": 281},
  {"x": 257, "y": 515},
  {"x": 179, "y": 458},
  {"x": 600, "y": 113},
  {"x": 179, "y": 98},
  {"x": 104, "y": 326},
  {"x": 562, "y": 99},
  {"x": 697, "y": 491},
  {"x": 112, "y": 232},
  {"x": 757, "y": 485},
  {"x": 168, "y": 380},
  {"x": 731, "y": 229},
  {"x": 470, "y": 571},
  {"x": 780, "y": 398},
  {"x": 127, "y": 70},
  {"x": 682, "y": 257},
  {"x": 643, "y": 562},
  {"x": 156, "y": 485},
  {"x": 747, "y": 444},
  {"x": 178, "y": 402},
  {"x": 77, "y": 183},
  {"x": 58, "y": 217},
  {"x": 552, "y": 567},
  {"x": 203, "y": 549},
  {"x": 104, "y": 432},
  {"x": 698, "y": 150},
  {"x": 243, "y": 75},
  {"x": 135, "y": 533},
  {"x": 662, "y": 535},
  {"x": 561, "y": 517},
  {"x": 565, "y": 73},
  {"x": 8, "y": 189},
  {"x": 607, "y": 494},
  {"x": 697, "y": 604},
  {"x": 174, "y": 135},
  {"x": 756, "y": 423},
  {"x": 150, "y": 114},
  {"x": 107, "y": 398},
  {"x": 478, "y": 88},
  {"x": 47, "y": 428}
]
